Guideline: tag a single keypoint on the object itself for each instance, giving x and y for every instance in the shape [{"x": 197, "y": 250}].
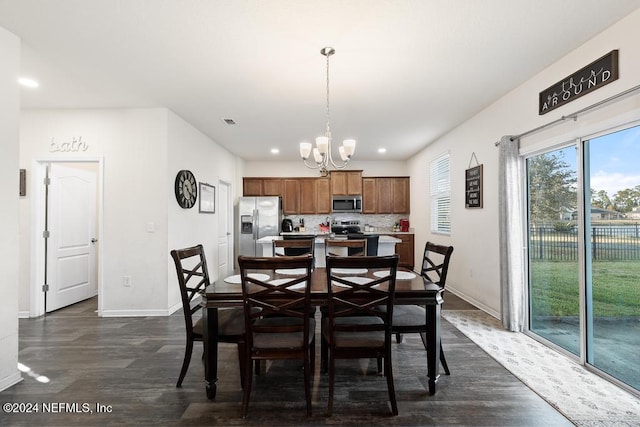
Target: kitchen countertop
[
  {"x": 321, "y": 237},
  {"x": 317, "y": 233}
]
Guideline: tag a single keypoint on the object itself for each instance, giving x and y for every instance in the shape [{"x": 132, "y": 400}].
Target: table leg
[
  {"x": 433, "y": 342},
  {"x": 210, "y": 341}
]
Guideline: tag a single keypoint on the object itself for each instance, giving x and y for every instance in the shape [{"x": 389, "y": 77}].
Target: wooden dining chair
[
  {"x": 345, "y": 247},
  {"x": 412, "y": 318},
  {"x": 355, "y": 328},
  {"x": 293, "y": 247},
  {"x": 277, "y": 316},
  {"x": 193, "y": 277}
]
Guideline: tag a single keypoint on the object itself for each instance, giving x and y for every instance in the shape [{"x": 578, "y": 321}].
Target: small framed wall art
[{"x": 207, "y": 198}]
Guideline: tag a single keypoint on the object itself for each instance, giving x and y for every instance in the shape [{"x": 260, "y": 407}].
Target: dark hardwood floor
[{"x": 130, "y": 366}]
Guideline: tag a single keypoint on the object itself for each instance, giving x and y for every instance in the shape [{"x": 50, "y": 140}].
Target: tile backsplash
[{"x": 380, "y": 222}]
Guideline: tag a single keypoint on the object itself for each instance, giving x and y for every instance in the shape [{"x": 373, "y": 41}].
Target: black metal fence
[{"x": 610, "y": 243}]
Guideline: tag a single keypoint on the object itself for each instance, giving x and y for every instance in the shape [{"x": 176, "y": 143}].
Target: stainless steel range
[{"x": 345, "y": 227}]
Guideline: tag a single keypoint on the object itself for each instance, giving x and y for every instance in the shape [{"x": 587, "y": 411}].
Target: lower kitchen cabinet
[{"x": 405, "y": 250}]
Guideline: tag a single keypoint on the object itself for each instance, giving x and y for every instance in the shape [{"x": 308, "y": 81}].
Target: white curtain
[{"x": 512, "y": 217}]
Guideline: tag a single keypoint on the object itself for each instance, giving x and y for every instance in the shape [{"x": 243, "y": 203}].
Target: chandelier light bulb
[
  {"x": 305, "y": 150},
  {"x": 318, "y": 157},
  {"x": 349, "y": 147}
]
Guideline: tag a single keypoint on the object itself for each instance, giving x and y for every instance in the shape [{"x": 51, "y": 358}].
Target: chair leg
[
  {"x": 398, "y": 337},
  {"x": 324, "y": 355},
  {"x": 332, "y": 368},
  {"x": 248, "y": 378},
  {"x": 241, "y": 361},
  {"x": 390, "y": 385},
  {"x": 379, "y": 366},
  {"x": 185, "y": 363},
  {"x": 307, "y": 377},
  {"x": 443, "y": 361}
]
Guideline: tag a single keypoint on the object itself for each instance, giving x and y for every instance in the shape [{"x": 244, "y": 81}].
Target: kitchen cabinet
[
  {"x": 405, "y": 250},
  {"x": 323, "y": 196},
  {"x": 346, "y": 183},
  {"x": 291, "y": 196},
  {"x": 262, "y": 186},
  {"x": 385, "y": 195},
  {"x": 369, "y": 195},
  {"x": 400, "y": 192},
  {"x": 308, "y": 195}
]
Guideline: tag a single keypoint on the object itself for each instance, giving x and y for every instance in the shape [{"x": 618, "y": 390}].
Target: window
[{"x": 440, "y": 195}]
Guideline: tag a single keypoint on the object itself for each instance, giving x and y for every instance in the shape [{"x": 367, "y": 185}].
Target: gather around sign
[{"x": 600, "y": 72}]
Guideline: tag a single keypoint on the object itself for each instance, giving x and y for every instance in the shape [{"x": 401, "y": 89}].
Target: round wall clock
[{"x": 186, "y": 189}]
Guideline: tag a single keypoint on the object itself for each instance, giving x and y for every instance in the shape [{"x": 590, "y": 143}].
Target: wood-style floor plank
[{"x": 130, "y": 365}]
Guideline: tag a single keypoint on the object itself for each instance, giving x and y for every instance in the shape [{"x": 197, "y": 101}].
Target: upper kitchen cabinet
[
  {"x": 346, "y": 183},
  {"x": 291, "y": 196},
  {"x": 385, "y": 195},
  {"x": 369, "y": 196},
  {"x": 308, "y": 195},
  {"x": 262, "y": 187},
  {"x": 400, "y": 191},
  {"x": 323, "y": 196}
]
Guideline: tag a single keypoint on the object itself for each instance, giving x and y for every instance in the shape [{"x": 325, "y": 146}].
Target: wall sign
[
  {"x": 473, "y": 187},
  {"x": 74, "y": 146},
  {"x": 600, "y": 72}
]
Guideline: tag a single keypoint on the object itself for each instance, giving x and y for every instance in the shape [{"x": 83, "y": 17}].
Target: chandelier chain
[{"x": 328, "y": 130}]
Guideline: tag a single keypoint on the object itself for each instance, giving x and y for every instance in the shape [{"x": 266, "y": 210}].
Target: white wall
[
  {"x": 9, "y": 209},
  {"x": 142, "y": 150},
  {"x": 474, "y": 271},
  {"x": 190, "y": 149}
]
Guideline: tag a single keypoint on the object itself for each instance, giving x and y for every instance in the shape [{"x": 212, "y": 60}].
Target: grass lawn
[{"x": 555, "y": 288}]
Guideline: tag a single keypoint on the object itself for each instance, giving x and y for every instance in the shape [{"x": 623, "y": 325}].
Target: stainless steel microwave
[{"x": 346, "y": 204}]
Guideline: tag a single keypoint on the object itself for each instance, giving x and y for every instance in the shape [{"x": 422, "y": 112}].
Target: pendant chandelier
[{"x": 322, "y": 156}]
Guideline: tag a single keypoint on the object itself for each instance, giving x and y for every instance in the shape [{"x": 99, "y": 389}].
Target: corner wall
[{"x": 9, "y": 208}]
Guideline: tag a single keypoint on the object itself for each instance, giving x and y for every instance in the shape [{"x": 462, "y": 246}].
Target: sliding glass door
[
  {"x": 613, "y": 254},
  {"x": 554, "y": 305},
  {"x": 584, "y": 253}
]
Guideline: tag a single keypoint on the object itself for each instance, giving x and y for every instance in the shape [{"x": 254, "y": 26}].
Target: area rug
[{"x": 581, "y": 396}]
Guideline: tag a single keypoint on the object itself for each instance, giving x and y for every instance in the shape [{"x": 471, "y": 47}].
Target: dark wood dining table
[{"x": 416, "y": 290}]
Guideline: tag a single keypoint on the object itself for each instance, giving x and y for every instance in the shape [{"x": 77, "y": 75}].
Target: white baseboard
[
  {"x": 135, "y": 313},
  {"x": 24, "y": 314},
  {"x": 470, "y": 300},
  {"x": 9, "y": 381}
]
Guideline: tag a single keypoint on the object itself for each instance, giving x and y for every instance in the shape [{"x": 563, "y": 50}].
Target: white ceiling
[{"x": 405, "y": 71}]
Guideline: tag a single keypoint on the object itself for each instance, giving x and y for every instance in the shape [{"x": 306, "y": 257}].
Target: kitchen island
[{"x": 386, "y": 245}]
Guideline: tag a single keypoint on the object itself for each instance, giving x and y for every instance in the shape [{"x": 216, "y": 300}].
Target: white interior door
[
  {"x": 225, "y": 225},
  {"x": 71, "y": 212}
]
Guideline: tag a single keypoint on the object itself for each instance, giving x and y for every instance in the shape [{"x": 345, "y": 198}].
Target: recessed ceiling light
[
  {"x": 28, "y": 82},
  {"x": 382, "y": 150},
  {"x": 275, "y": 151}
]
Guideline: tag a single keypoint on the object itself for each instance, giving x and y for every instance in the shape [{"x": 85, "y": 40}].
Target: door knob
[{"x": 94, "y": 240}]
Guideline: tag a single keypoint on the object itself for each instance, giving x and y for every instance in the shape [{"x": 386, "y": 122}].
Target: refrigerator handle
[{"x": 256, "y": 224}]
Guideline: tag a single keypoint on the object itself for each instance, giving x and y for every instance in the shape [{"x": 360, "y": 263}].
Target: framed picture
[{"x": 207, "y": 198}]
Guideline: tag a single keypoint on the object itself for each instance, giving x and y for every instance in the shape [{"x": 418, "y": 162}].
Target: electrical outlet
[{"x": 126, "y": 281}]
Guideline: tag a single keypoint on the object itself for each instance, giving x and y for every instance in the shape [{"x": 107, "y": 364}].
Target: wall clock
[{"x": 186, "y": 189}]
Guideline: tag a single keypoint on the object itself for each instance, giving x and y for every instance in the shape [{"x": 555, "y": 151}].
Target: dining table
[{"x": 411, "y": 288}]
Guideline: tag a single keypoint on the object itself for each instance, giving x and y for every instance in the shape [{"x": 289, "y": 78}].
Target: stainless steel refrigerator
[{"x": 258, "y": 217}]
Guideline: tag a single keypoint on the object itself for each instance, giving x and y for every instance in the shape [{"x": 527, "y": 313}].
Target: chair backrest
[
  {"x": 300, "y": 245},
  {"x": 435, "y": 263},
  {"x": 265, "y": 294},
  {"x": 351, "y": 296},
  {"x": 372, "y": 242},
  {"x": 345, "y": 247},
  {"x": 193, "y": 277}
]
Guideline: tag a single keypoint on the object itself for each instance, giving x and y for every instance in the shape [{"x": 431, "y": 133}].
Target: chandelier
[{"x": 322, "y": 156}]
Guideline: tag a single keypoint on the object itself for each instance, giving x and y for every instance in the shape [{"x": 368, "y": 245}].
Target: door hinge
[
  {"x": 45, "y": 288},
  {"x": 45, "y": 234},
  {"x": 47, "y": 181}
]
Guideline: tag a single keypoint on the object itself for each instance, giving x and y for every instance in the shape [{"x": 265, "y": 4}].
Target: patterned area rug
[{"x": 583, "y": 397}]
